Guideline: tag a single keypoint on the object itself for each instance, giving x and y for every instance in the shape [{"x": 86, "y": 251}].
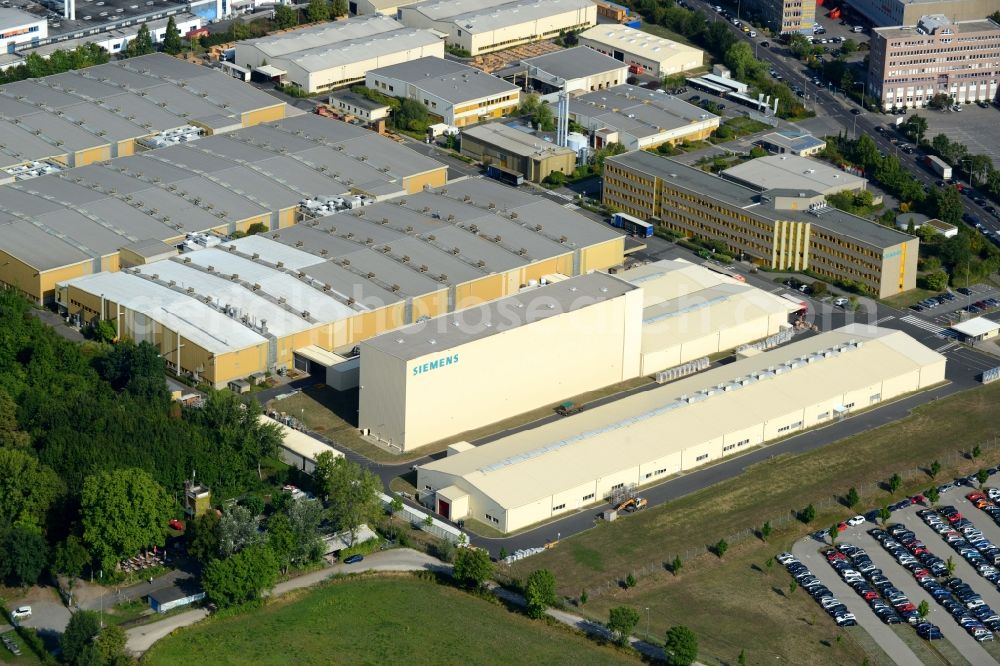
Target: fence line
[{"x": 865, "y": 490}]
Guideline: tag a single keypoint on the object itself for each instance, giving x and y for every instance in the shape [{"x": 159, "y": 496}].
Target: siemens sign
[{"x": 435, "y": 364}]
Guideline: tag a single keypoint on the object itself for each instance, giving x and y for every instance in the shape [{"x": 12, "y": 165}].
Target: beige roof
[
  {"x": 672, "y": 278},
  {"x": 299, "y": 442},
  {"x": 319, "y": 355},
  {"x": 535, "y": 464},
  {"x": 633, "y": 40}
]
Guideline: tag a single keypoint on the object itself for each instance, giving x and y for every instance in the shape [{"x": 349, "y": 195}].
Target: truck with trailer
[
  {"x": 938, "y": 166},
  {"x": 633, "y": 226}
]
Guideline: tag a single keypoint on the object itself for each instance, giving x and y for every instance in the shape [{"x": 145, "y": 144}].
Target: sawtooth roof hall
[{"x": 564, "y": 465}]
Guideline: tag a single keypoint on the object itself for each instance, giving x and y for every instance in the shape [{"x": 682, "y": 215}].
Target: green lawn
[
  {"x": 380, "y": 620},
  {"x": 760, "y": 617}
]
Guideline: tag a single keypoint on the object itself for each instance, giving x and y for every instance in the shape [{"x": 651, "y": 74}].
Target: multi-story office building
[
  {"x": 908, "y": 12},
  {"x": 774, "y": 226},
  {"x": 908, "y": 66},
  {"x": 784, "y": 16}
]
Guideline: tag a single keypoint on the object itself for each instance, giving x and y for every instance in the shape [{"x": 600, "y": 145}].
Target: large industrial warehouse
[
  {"x": 690, "y": 312},
  {"x": 98, "y": 113},
  {"x": 68, "y": 224},
  {"x": 333, "y": 55},
  {"x": 481, "y": 26},
  {"x": 576, "y": 335},
  {"x": 564, "y": 465},
  {"x": 642, "y": 52},
  {"x": 247, "y": 306}
]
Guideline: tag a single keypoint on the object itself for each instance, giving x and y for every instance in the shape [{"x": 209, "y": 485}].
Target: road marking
[
  {"x": 920, "y": 323},
  {"x": 776, "y": 290},
  {"x": 945, "y": 347},
  {"x": 883, "y": 320}
]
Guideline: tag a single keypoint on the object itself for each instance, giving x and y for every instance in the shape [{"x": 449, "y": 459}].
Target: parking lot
[
  {"x": 978, "y": 129},
  {"x": 948, "y": 557},
  {"x": 976, "y": 300}
]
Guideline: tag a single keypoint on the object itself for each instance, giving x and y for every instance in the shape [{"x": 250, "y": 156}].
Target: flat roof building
[
  {"x": 575, "y": 69},
  {"x": 566, "y": 465},
  {"x": 642, "y": 52},
  {"x": 976, "y": 329},
  {"x": 690, "y": 312},
  {"x": 511, "y": 148},
  {"x": 73, "y": 223},
  {"x": 885, "y": 13},
  {"x": 359, "y": 106},
  {"x": 247, "y": 305},
  {"x": 783, "y": 228},
  {"x": 790, "y": 172},
  {"x": 337, "y": 54},
  {"x": 437, "y": 379},
  {"x": 19, "y": 28},
  {"x": 639, "y": 118},
  {"x": 481, "y": 26},
  {"x": 898, "y": 71},
  {"x": 457, "y": 94},
  {"x": 791, "y": 143},
  {"x": 98, "y": 113}
]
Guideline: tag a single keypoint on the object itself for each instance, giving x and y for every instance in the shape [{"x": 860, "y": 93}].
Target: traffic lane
[
  {"x": 904, "y": 581},
  {"x": 898, "y": 651},
  {"x": 967, "y": 361}
]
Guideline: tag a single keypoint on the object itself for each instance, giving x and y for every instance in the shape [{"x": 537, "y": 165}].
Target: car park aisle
[
  {"x": 981, "y": 519},
  {"x": 806, "y": 550},
  {"x": 904, "y": 580}
]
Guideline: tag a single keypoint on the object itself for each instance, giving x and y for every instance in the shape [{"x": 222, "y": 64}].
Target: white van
[
  {"x": 858, "y": 28},
  {"x": 753, "y": 33}
]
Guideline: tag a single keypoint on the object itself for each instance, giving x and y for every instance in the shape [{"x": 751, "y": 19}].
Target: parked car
[
  {"x": 21, "y": 612},
  {"x": 354, "y": 559}
]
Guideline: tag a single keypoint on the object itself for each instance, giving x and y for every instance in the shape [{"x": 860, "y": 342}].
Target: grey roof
[
  {"x": 360, "y": 101},
  {"x": 514, "y": 141},
  {"x": 443, "y": 334},
  {"x": 128, "y": 99},
  {"x": 150, "y": 247},
  {"x": 637, "y": 111},
  {"x": 448, "y": 80},
  {"x": 485, "y": 15},
  {"x": 739, "y": 196},
  {"x": 575, "y": 63},
  {"x": 930, "y": 24},
  {"x": 11, "y": 16},
  {"x": 792, "y": 140},
  {"x": 193, "y": 187},
  {"x": 793, "y": 172}
]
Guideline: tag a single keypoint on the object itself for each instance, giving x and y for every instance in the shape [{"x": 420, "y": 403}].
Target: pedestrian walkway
[
  {"x": 920, "y": 323},
  {"x": 881, "y": 321},
  {"x": 947, "y": 346}
]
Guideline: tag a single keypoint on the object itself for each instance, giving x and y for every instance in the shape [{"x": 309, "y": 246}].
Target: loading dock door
[
  {"x": 618, "y": 55},
  {"x": 444, "y": 508}
]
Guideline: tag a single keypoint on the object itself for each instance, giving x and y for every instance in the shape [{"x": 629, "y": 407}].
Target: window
[
  {"x": 660, "y": 471},
  {"x": 560, "y": 507},
  {"x": 701, "y": 457},
  {"x": 849, "y": 405},
  {"x": 617, "y": 486},
  {"x": 495, "y": 521},
  {"x": 648, "y": 474},
  {"x": 428, "y": 488},
  {"x": 875, "y": 397},
  {"x": 588, "y": 497},
  {"x": 824, "y": 415},
  {"x": 728, "y": 448}
]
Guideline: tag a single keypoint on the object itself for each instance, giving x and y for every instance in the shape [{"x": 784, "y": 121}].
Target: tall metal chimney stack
[{"x": 562, "y": 110}]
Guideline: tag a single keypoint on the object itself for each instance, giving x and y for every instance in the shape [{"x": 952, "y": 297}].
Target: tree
[
  {"x": 681, "y": 646},
  {"x": 808, "y": 514},
  {"x": 136, "y": 369},
  {"x": 976, "y": 451},
  {"x": 281, "y": 539},
  {"x": 11, "y": 436},
  {"x": 27, "y": 487},
  {"x": 351, "y": 492},
  {"x": 739, "y": 59},
  {"x": 396, "y": 505},
  {"x": 142, "y": 44},
  {"x": 172, "y": 38},
  {"x": 285, "y": 17},
  {"x": 25, "y": 554},
  {"x": 254, "y": 504},
  {"x": 833, "y": 533},
  {"x": 472, "y": 567},
  {"x": 792, "y": 586},
  {"x": 947, "y": 206},
  {"x": 895, "y": 481},
  {"x": 982, "y": 476},
  {"x": 630, "y": 580},
  {"x": 933, "y": 495},
  {"x": 102, "y": 330},
  {"x": 203, "y": 537},
  {"x": 242, "y": 577},
  {"x": 543, "y": 119},
  {"x": 765, "y": 531},
  {"x": 539, "y": 592},
  {"x": 304, "y": 517},
  {"x": 621, "y": 622},
  {"x": 237, "y": 530},
  {"x": 934, "y": 469},
  {"x": 71, "y": 557},
  {"x": 916, "y": 127},
  {"x": 936, "y": 280},
  {"x": 583, "y": 597},
  {"x": 819, "y": 288},
  {"x": 939, "y": 101},
  {"x": 123, "y": 512},
  {"x": 676, "y": 564},
  {"x": 83, "y": 627},
  {"x": 256, "y": 227},
  {"x": 848, "y": 46},
  {"x": 950, "y": 564},
  {"x": 757, "y": 152},
  {"x": 609, "y": 150},
  {"x": 720, "y": 548},
  {"x": 741, "y": 660},
  {"x": 852, "y": 498},
  {"x": 318, "y": 11},
  {"x": 923, "y": 608},
  {"x": 555, "y": 178},
  {"x": 339, "y": 8},
  {"x": 884, "y": 514}
]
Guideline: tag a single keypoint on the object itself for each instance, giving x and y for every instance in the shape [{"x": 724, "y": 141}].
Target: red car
[
  {"x": 176, "y": 524},
  {"x": 870, "y": 594},
  {"x": 954, "y": 518},
  {"x": 841, "y": 527},
  {"x": 972, "y": 497},
  {"x": 834, "y": 555},
  {"x": 918, "y": 499}
]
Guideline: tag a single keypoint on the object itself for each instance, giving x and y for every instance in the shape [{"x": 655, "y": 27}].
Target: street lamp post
[
  {"x": 854, "y": 130},
  {"x": 647, "y": 624},
  {"x": 863, "y": 87}
]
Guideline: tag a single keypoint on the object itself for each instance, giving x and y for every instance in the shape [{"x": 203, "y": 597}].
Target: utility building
[
  {"x": 575, "y": 69},
  {"x": 642, "y": 52},
  {"x": 450, "y": 374},
  {"x": 532, "y": 157},
  {"x": 565, "y": 465}
]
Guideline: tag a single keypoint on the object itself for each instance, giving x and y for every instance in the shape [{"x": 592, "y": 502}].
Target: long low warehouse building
[
  {"x": 439, "y": 378},
  {"x": 98, "y": 113},
  {"x": 77, "y": 222},
  {"x": 565, "y": 465},
  {"x": 690, "y": 312},
  {"x": 247, "y": 306}
]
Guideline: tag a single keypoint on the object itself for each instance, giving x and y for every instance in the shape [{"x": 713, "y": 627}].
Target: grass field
[
  {"x": 334, "y": 414},
  {"x": 906, "y": 299},
  {"x": 380, "y": 620},
  {"x": 739, "y": 587}
]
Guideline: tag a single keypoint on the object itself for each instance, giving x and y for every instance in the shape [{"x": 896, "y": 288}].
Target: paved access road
[{"x": 806, "y": 550}]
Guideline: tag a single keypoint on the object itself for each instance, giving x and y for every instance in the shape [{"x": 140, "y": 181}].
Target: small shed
[
  {"x": 183, "y": 593},
  {"x": 239, "y": 386},
  {"x": 977, "y": 328}
]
